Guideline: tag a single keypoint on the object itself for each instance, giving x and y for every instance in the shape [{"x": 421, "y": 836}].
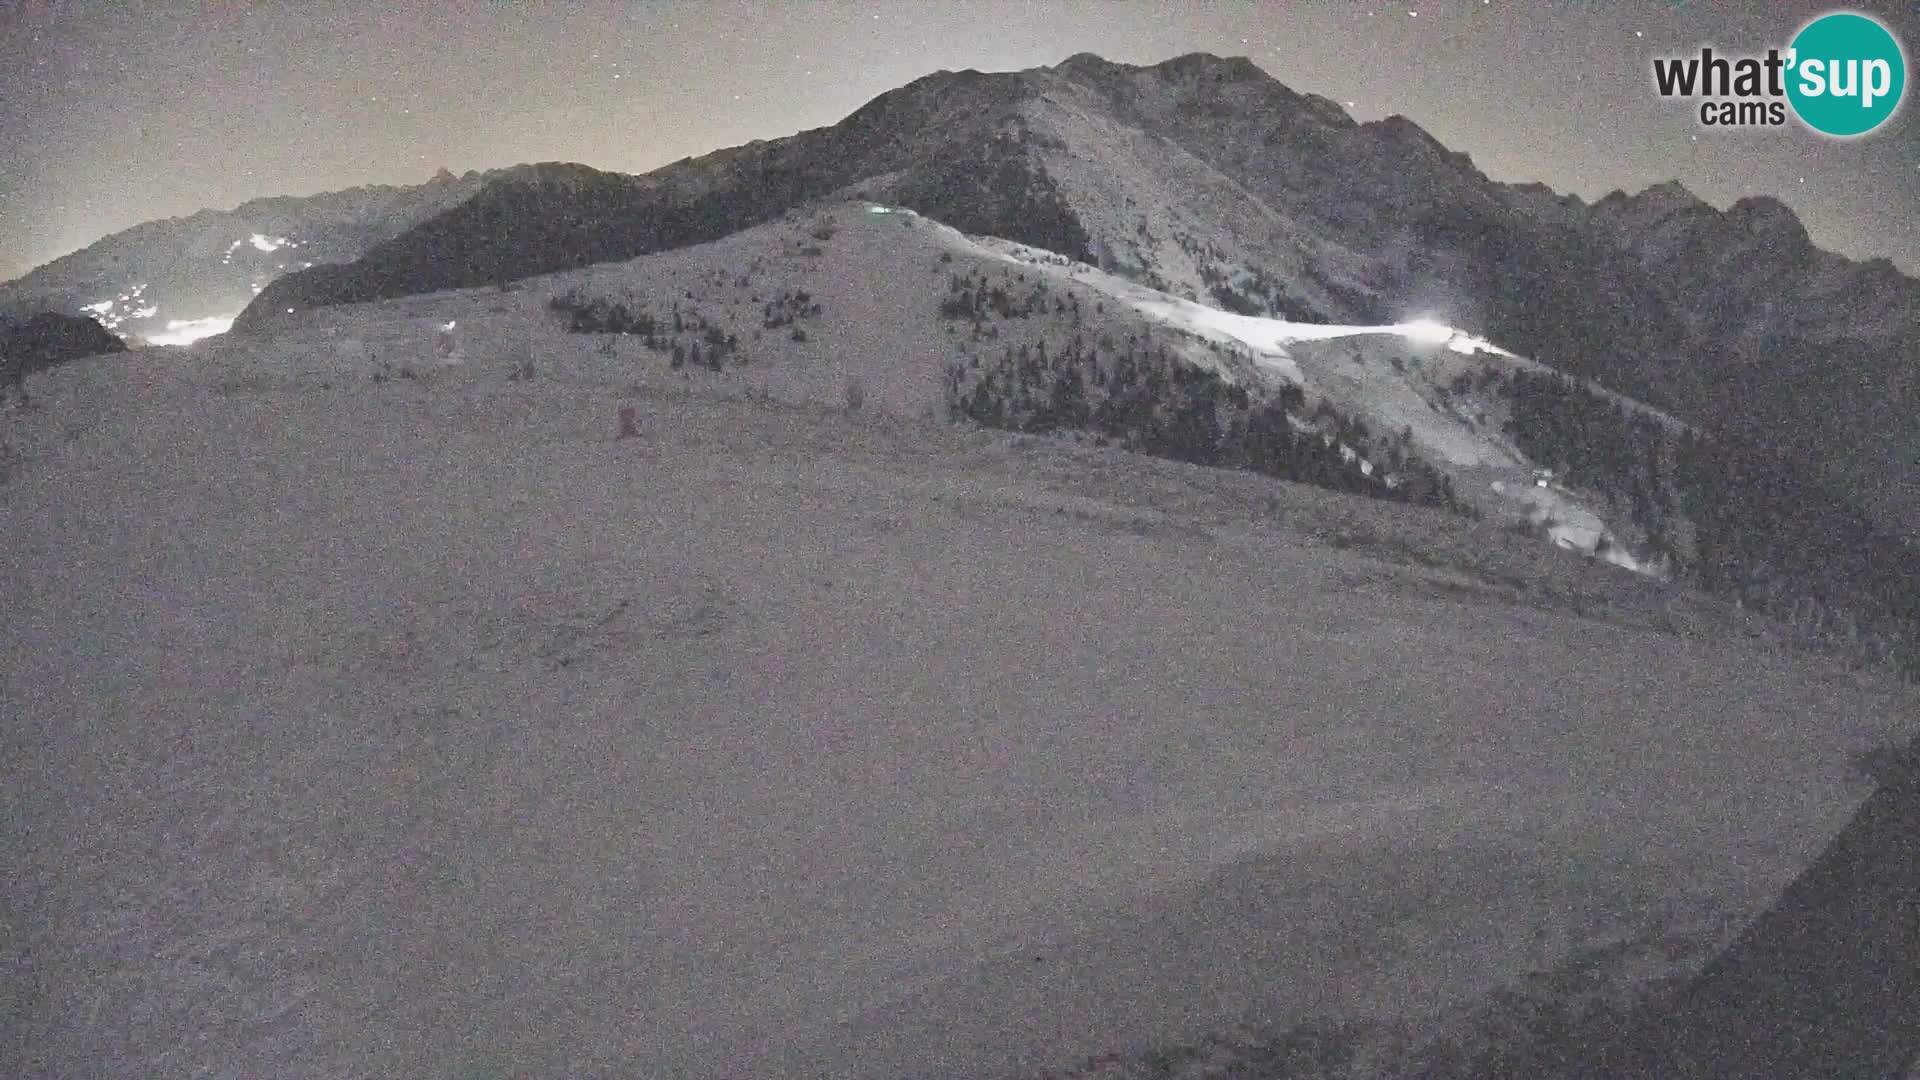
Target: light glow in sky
[{"x": 188, "y": 331}]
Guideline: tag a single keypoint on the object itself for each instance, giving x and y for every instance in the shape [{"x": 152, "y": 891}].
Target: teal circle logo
[{"x": 1846, "y": 75}]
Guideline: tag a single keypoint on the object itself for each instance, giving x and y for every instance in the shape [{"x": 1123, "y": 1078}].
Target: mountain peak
[
  {"x": 1540, "y": 190},
  {"x": 1768, "y": 215},
  {"x": 1088, "y": 62},
  {"x": 1670, "y": 193},
  {"x": 1402, "y": 130},
  {"x": 1657, "y": 204},
  {"x": 1209, "y": 65}
]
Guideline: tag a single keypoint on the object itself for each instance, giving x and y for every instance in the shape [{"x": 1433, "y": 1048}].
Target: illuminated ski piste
[
  {"x": 1268, "y": 338},
  {"x": 1274, "y": 335}
]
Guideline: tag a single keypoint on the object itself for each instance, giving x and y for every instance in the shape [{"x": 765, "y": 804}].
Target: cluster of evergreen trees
[
  {"x": 684, "y": 337},
  {"x": 1200, "y": 251},
  {"x": 1770, "y": 533},
  {"x": 972, "y": 296},
  {"x": 1766, "y": 531},
  {"x": 599, "y": 315},
  {"x": 1147, "y": 399},
  {"x": 1258, "y": 295},
  {"x": 787, "y": 308},
  {"x": 1598, "y": 444},
  {"x": 1229, "y": 298}
]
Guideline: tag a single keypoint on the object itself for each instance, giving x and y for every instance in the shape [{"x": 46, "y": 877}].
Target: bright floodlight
[{"x": 1426, "y": 332}]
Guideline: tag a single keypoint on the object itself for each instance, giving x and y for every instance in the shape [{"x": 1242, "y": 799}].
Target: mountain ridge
[
  {"x": 1209, "y": 178},
  {"x": 1204, "y": 85}
]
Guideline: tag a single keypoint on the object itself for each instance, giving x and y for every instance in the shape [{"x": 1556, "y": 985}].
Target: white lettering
[
  {"x": 1871, "y": 87},
  {"x": 1848, "y": 86},
  {"x": 1813, "y": 77}
]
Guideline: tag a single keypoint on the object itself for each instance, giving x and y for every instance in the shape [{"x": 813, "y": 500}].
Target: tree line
[{"x": 1141, "y": 396}]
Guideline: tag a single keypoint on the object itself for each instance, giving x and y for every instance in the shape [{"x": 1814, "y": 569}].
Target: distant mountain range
[{"x": 188, "y": 276}]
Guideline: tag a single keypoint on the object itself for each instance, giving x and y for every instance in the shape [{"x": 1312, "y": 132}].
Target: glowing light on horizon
[{"x": 188, "y": 331}]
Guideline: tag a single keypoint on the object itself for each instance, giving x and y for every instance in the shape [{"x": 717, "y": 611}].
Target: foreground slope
[{"x": 426, "y": 727}]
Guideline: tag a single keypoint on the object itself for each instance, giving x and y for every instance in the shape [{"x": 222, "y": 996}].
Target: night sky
[{"x": 112, "y": 114}]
